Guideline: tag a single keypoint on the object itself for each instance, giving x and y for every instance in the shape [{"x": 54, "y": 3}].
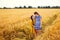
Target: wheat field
[{"x": 15, "y": 24}]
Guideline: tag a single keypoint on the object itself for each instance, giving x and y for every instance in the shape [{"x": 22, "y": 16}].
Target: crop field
[{"x": 15, "y": 24}]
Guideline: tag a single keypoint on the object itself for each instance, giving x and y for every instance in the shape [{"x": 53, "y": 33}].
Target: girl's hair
[
  {"x": 32, "y": 17},
  {"x": 36, "y": 13}
]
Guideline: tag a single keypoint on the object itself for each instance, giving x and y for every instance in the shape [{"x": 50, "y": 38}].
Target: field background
[{"x": 16, "y": 19}]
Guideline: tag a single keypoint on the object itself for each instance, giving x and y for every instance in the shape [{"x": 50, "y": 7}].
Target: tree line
[{"x": 32, "y": 7}]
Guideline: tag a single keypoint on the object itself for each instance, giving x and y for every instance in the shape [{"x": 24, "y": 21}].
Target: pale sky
[{"x": 34, "y": 3}]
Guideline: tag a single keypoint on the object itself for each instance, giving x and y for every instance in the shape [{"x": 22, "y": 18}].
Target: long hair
[
  {"x": 32, "y": 17},
  {"x": 32, "y": 20}
]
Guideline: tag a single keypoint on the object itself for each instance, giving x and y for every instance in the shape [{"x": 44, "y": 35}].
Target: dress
[{"x": 38, "y": 23}]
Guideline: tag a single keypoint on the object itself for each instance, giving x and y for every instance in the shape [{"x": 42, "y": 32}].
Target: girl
[{"x": 38, "y": 23}]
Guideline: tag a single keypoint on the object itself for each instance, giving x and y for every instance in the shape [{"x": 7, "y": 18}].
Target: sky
[{"x": 34, "y": 3}]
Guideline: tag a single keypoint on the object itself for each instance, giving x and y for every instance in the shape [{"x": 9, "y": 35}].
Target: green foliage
[
  {"x": 24, "y": 7},
  {"x": 4, "y": 7},
  {"x": 20, "y": 7},
  {"x": 39, "y": 7},
  {"x": 30, "y": 7}
]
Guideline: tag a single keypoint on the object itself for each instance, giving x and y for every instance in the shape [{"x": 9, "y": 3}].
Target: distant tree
[
  {"x": 20, "y": 7},
  {"x": 45, "y": 7},
  {"x": 4, "y": 7},
  {"x": 24, "y": 7},
  {"x": 56, "y": 7},
  {"x": 16, "y": 7},
  {"x": 48, "y": 6},
  {"x": 30, "y": 7},
  {"x": 39, "y": 7}
]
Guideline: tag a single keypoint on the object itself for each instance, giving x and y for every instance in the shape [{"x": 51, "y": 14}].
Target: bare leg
[{"x": 38, "y": 32}]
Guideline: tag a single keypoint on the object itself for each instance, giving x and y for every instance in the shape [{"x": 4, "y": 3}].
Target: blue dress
[{"x": 38, "y": 23}]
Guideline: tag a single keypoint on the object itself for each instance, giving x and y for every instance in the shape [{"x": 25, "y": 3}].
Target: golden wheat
[{"x": 16, "y": 22}]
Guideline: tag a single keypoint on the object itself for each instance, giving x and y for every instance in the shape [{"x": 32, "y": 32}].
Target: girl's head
[{"x": 36, "y": 13}]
